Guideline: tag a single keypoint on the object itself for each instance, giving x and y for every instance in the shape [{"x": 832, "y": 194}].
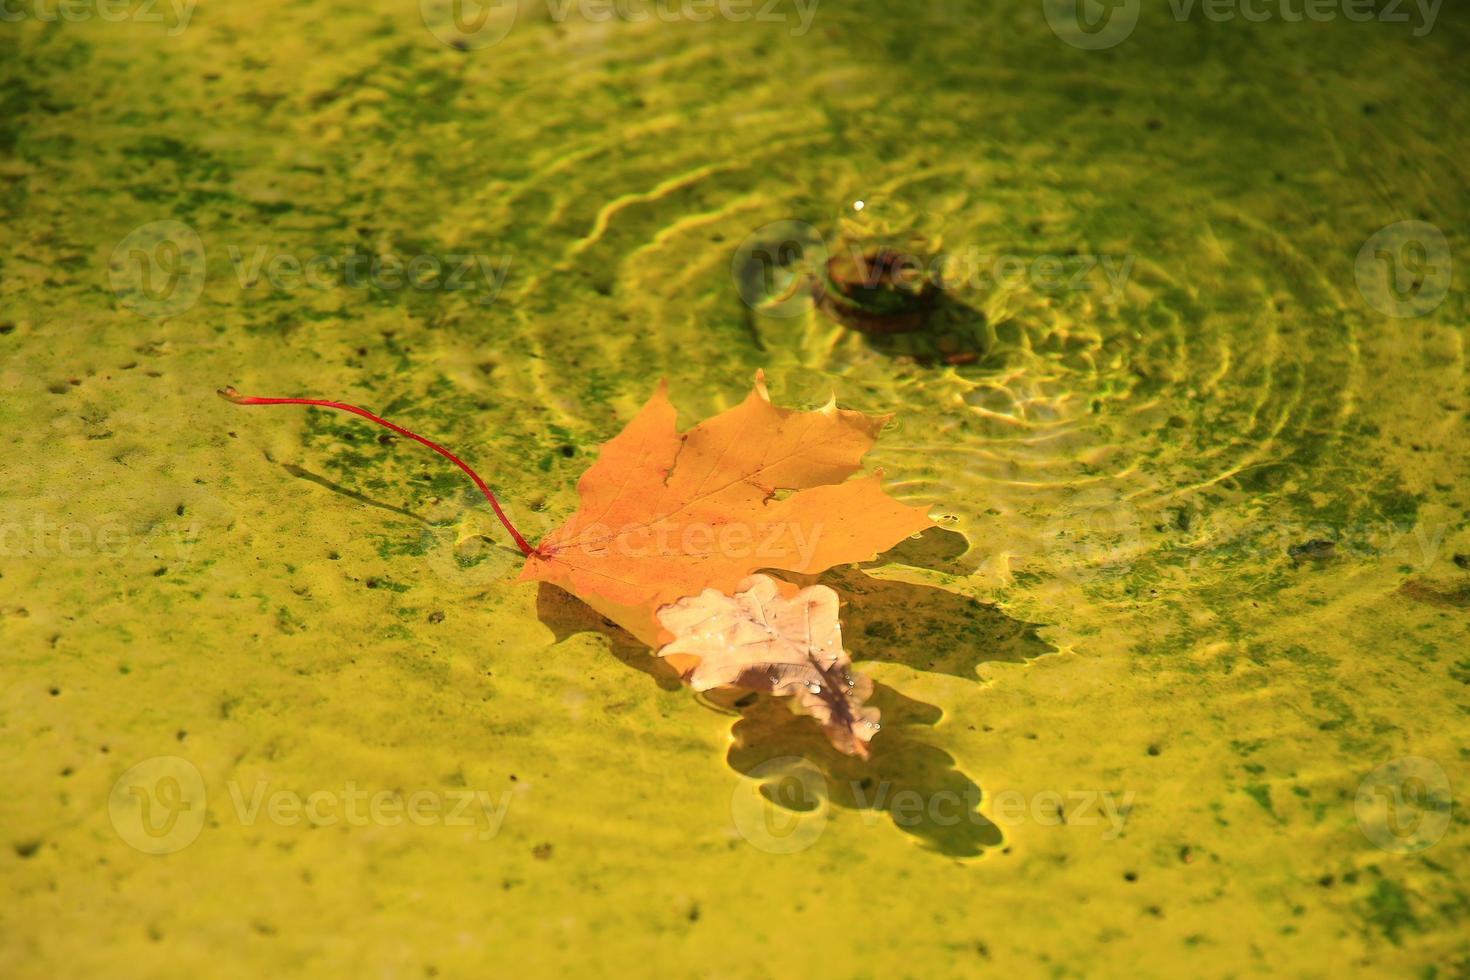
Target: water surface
[{"x": 1197, "y": 579}]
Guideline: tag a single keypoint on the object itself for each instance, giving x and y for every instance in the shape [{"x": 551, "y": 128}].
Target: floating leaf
[
  {"x": 666, "y": 515},
  {"x": 761, "y": 640}
]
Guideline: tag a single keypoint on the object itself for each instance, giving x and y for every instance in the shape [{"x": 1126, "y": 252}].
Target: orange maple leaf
[{"x": 666, "y": 515}]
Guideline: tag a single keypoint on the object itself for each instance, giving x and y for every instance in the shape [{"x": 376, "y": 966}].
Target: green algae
[{"x": 1128, "y": 477}]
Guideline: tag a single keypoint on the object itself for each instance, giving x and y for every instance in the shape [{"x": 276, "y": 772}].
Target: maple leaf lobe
[{"x": 664, "y": 515}]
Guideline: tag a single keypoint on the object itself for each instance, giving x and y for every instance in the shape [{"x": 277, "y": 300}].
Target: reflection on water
[
  {"x": 1190, "y": 406},
  {"x": 917, "y": 785},
  {"x": 937, "y": 631}
]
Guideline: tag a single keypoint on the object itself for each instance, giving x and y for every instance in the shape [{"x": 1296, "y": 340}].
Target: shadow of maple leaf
[
  {"x": 928, "y": 628},
  {"x": 566, "y": 616},
  {"x": 917, "y": 786},
  {"x": 923, "y": 627}
]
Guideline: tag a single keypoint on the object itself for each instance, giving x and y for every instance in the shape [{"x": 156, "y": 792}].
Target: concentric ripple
[
  {"x": 1145, "y": 377},
  {"x": 1136, "y": 363}
]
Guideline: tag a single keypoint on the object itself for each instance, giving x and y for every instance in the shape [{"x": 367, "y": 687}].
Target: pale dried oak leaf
[{"x": 760, "y": 640}]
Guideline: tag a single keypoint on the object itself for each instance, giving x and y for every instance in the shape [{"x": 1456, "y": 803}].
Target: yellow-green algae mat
[{"x": 1193, "y": 630}]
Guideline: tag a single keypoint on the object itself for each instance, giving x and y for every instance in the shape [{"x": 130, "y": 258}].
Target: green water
[{"x": 1201, "y": 571}]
